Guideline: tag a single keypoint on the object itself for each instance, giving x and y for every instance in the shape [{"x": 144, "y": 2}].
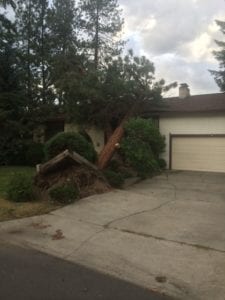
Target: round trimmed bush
[
  {"x": 20, "y": 188},
  {"x": 71, "y": 141},
  {"x": 64, "y": 194}
]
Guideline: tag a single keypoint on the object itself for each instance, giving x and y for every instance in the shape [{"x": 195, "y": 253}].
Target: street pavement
[{"x": 26, "y": 274}]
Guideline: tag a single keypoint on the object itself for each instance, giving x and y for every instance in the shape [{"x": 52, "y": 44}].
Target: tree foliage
[
  {"x": 106, "y": 96},
  {"x": 34, "y": 44},
  {"x": 219, "y": 75},
  {"x": 12, "y": 98},
  {"x": 101, "y": 23},
  {"x": 65, "y": 57},
  {"x": 11, "y": 3}
]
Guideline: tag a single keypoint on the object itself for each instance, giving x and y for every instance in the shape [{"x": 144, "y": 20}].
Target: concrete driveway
[{"x": 165, "y": 233}]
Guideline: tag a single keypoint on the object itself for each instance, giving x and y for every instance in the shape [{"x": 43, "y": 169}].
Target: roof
[{"x": 198, "y": 103}]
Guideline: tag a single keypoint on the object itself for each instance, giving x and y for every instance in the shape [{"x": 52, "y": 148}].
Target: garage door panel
[{"x": 198, "y": 153}]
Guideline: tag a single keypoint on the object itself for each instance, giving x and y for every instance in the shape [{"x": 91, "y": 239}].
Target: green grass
[{"x": 10, "y": 210}]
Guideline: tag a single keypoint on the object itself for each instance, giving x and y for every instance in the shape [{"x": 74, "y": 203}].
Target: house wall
[
  {"x": 96, "y": 134},
  {"x": 213, "y": 123}
]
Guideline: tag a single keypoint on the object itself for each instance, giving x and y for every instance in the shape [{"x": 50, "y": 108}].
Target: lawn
[{"x": 10, "y": 210}]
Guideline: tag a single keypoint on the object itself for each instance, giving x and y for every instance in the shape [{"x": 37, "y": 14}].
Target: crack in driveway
[
  {"x": 84, "y": 243},
  {"x": 137, "y": 213},
  {"x": 145, "y": 235}
]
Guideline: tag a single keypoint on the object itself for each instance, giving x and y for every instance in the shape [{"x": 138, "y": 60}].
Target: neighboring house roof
[
  {"x": 173, "y": 105},
  {"x": 191, "y": 104}
]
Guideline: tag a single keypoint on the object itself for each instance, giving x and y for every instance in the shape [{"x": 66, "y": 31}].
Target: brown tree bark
[
  {"x": 112, "y": 144},
  {"x": 110, "y": 148}
]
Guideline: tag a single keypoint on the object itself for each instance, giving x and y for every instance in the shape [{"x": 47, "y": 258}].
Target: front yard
[{"x": 10, "y": 210}]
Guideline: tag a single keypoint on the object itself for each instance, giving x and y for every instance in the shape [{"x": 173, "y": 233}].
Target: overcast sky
[{"x": 178, "y": 36}]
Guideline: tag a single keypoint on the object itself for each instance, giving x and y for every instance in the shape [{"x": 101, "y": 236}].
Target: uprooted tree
[
  {"x": 133, "y": 79},
  {"x": 118, "y": 92},
  {"x": 110, "y": 96}
]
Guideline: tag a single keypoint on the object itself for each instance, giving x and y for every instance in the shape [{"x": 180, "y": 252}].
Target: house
[
  {"x": 58, "y": 124},
  {"x": 194, "y": 128}
]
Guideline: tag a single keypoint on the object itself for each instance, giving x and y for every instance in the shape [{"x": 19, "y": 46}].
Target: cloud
[
  {"x": 177, "y": 68},
  {"x": 178, "y": 35}
]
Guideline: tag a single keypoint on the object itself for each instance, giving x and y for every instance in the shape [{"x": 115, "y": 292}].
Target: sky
[{"x": 178, "y": 36}]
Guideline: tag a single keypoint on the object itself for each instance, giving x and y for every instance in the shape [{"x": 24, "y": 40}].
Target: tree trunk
[
  {"x": 29, "y": 88},
  {"x": 111, "y": 145},
  {"x": 43, "y": 9},
  {"x": 96, "y": 54}
]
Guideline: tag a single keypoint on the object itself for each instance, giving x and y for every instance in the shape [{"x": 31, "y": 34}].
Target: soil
[{"x": 88, "y": 181}]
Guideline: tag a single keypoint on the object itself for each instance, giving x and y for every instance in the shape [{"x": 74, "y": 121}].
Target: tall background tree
[
  {"x": 43, "y": 49},
  {"x": 12, "y": 98},
  {"x": 63, "y": 24},
  {"x": 26, "y": 24},
  {"x": 4, "y": 3},
  {"x": 102, "y": 24},
  {"x": 33, "y": 41},
  {"x": 220, "y": 56}
]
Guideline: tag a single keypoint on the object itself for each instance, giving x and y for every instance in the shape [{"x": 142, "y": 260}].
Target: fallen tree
[
  {"x": 133, "y": 80},
  {"x": 115, "y": 93},
  {"x": 111, "y": 146}
]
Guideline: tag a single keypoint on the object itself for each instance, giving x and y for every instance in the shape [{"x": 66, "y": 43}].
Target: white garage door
[{"x": 198, "y": 153}]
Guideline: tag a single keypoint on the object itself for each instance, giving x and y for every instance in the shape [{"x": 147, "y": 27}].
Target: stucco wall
[
  {"x": 97, "y": 135},
  {"x": 194, "y": 124}
]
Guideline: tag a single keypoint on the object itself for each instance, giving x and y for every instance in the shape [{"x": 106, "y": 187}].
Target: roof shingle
[{"x": 198, "y": 103}]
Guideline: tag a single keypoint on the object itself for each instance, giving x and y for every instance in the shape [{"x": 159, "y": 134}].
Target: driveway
[{"x": 166, "y": 234}]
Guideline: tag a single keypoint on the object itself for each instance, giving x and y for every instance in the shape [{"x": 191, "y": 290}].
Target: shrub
[
  {"x": 115, "y": 179},
  {"x": 65, "y": 194},
  {"x": 114, "y": 165},
  {"x": 162, "y": 163},
  {"x": 20, "y": 188},
  {"x": 146, "y": 131},
  {"x": 126, "y": 173},
  {"x": 35, "y": 154},
  {"x": 72, "y": 142},
  {"x": 12, "y": 151},
  {"x": 20, "y": 152},
  {"x": 87, "y": 137},
  {"x": 142, "y": 145}
]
